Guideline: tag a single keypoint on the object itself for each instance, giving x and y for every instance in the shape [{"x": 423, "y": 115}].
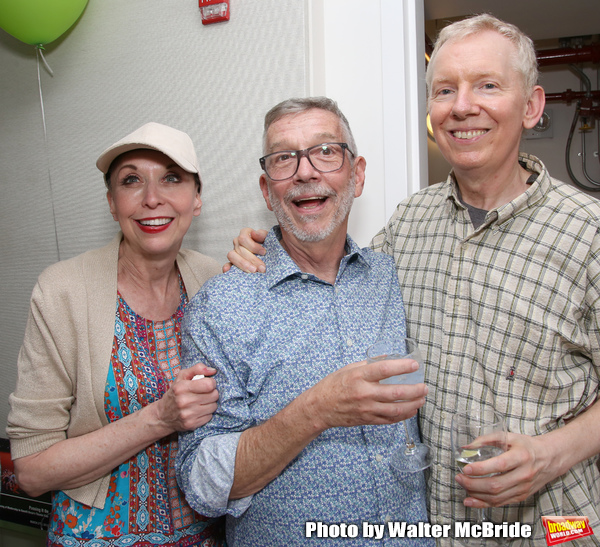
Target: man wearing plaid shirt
[{"x": 500, "y": 273}]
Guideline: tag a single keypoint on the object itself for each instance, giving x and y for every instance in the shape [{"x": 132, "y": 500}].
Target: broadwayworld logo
[{"x": 562, "y": 529}]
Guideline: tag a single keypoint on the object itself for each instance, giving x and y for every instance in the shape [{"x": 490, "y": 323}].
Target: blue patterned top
[
  {"x": 272, "y": 336},
  {"x": 143, "y": 506}
]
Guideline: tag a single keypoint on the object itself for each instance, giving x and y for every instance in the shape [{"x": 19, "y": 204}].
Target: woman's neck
[{"x": 150, "y": 286}]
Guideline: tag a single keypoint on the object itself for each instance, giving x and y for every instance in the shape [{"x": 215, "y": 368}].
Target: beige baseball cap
[{"x": 175, "y": 144}]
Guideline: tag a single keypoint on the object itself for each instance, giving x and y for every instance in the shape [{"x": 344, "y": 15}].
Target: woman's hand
[
  {"x": 245, "y": 247},
  {"x": 190, "y": 403},
  {"x": 77, "y": 461}
]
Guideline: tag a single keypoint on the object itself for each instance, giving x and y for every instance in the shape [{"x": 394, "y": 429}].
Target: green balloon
[{"x": 39, "y": 22}]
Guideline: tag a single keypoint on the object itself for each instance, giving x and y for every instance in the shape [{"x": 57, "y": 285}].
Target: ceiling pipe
[
  {"x": 586, "y": 102},
  {"x": 571, "y": 55},
  {"x": 569, "y": 96}
]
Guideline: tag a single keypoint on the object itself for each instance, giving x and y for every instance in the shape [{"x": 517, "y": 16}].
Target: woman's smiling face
[{"x": 153, "y": 200}]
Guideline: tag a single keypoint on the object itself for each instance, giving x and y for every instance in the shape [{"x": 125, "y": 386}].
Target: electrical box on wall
[
  {"x": 214, "y": 11},
  {"x": 544, "y": 129}
]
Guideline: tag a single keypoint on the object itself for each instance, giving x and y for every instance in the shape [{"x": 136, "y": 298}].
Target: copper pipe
[
  {"x": 569, "y": 96},
  {"x": 571, "y": 55},
  {"x": 567, "y": 56},
  {"x": 586, "y": 106}
]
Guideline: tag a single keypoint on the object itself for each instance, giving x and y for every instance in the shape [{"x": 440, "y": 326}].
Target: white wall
[{"x": 370, "y": 57}]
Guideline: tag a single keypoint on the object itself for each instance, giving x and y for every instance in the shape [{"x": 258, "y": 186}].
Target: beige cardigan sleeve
[{"x": 63, "y": 363}]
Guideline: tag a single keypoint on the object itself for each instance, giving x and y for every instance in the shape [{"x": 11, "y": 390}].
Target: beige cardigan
[{"x": 63, "y": 363}]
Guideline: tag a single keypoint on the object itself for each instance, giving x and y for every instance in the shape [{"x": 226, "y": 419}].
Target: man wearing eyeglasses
[
  {"x": 299, "y": 446},
  {"x": 499, "y": 266}
]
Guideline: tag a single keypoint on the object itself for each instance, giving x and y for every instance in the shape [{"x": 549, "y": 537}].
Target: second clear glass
[{"x": 478, "y": 435}]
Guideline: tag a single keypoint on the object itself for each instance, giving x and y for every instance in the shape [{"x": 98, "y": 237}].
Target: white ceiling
[{"x": 539, "y": 19}]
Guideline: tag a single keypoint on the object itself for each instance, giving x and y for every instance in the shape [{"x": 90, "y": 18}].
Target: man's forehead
[
  {"x": 468, "y": 51},
  {"x": 473, "y": 42},
  {"x": 313, "y": 125}
]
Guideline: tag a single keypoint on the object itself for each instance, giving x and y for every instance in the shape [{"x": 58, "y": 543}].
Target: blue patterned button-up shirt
[{"x": 272, "y": 336}]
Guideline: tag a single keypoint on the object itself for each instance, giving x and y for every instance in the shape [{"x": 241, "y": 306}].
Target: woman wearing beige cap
[{"x": 100, "y": 396}]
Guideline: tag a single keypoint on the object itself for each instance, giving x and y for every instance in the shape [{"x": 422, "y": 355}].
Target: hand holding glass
[
  {"x": 478, "y": 436},
  {"x": 415, "y": 456}
]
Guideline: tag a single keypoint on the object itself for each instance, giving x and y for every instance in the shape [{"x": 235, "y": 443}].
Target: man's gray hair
[
  {"x": 525, "y": 59},
  {"x": 303, "y": 104}
]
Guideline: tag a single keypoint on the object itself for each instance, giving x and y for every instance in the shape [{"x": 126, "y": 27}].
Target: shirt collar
[
  {"x": 281, "y": 267},
  {"x": 538, "y": 188}
]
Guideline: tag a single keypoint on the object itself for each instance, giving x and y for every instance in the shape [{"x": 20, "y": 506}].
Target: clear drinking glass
[
  {"x": 414, "y": 456},
  {"x": 478, "y": 436}
]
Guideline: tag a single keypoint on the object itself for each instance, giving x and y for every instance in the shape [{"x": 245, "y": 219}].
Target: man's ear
[
  {"x": 360, "y": 166},
  {"x": 535, "y": 107},
  {"x": 265, "y": 190}
]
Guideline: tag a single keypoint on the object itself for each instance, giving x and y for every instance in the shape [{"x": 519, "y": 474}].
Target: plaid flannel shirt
[{"x": 508, "y": 315}]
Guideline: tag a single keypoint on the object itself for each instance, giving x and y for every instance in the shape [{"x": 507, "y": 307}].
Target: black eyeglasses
[{"x": 325, "y": 158}]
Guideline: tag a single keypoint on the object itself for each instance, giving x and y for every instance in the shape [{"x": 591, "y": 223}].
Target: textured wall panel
[{"x": 123, "y": 64}]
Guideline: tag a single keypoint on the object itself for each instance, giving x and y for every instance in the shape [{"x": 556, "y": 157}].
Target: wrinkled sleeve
[
  {"x": 383, "y": 241},
  {"x": 206, "y": 457},
  {"x": 40, "y": 405},
  {"x": 209, "y": 477}
]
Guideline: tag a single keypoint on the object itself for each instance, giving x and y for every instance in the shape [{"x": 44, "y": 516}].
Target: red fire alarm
[{"x": 214, "y": 11}]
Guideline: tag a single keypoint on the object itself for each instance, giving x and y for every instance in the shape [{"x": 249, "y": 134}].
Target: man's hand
[
  {"x": 353, "y": 396},
  {"x": 527, "y": 465},
  {"x": 245, "y": 247},
  {"x": 348, "y": 397}
]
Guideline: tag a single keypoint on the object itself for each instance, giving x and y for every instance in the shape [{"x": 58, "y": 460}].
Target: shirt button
[
  {"x": 304, "y": 276},
  {"x": 378, "y": 457},
  {"x": 387, "y": 519},
  {"x": 349, "y": 343}
]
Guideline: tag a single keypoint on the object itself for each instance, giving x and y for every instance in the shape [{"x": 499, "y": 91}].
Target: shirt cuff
[{"x": 212, "y": 473}]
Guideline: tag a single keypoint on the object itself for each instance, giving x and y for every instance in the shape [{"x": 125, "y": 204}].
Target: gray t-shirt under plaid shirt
[{"x": 508, "y": 315}]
